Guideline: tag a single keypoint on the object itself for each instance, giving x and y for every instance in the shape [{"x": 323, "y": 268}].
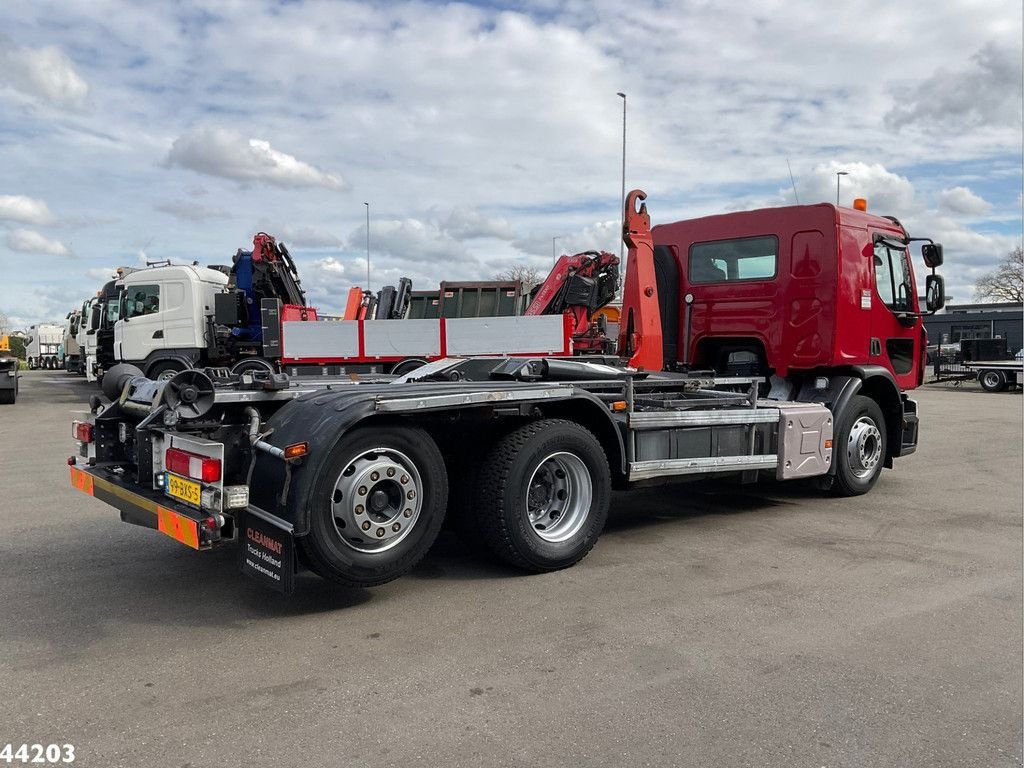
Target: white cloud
[
  {"x": 226, "y": 153},
  {"x": 186, "y": 210},
  {"x": 45, "y": 74},
  {"x": 411, "y": 241},
  {"x": 299, "y": 236},
  {"x": 469, "y": 223},
  {"x": 984, "y": 93},
  {"x": 100, "y": 274},
  {"x": 26, "y": 210},
  {"x": 30, "y": 241},
  {"x": 960, "y": 200}
]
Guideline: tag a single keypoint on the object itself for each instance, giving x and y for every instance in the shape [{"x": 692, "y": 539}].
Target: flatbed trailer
[{"x": 997, "y": 375}]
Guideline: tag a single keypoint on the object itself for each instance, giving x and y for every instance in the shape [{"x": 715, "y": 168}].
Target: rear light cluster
[
  {"x": 82, "y": 431},
  {"x": 192, "y": 465}
]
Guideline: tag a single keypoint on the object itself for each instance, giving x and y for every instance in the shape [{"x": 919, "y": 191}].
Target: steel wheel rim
[
  {"x": 558, "y": 497},
  {"x": 376, "y": 500},
  {"x": 864, "y": 447},
  {"x": 168, "y": 374},
  {"x": 991, "y": 379}
]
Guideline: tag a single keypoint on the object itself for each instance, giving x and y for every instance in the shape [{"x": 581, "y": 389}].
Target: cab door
[
  {"x": 142, "y": 322},
  {"x": 895, "y": 341}
]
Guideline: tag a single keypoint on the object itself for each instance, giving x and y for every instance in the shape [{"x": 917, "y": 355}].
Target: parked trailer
[
  {"x": 43, "y": 347},
  {"x": 997, "y": 375},
  {"x": 353, "y": 477}
]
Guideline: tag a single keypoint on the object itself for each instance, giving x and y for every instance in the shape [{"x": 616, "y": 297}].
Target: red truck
[{"x": 766, "y": 344}]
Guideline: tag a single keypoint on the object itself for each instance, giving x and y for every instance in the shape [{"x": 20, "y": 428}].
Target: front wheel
[
  {"x": 860, "y": 447},
  {"x": 992, "y": 381},
  {"x": 377, "y": 506},
  {"x": 166, "y": 370},
  {"x": 542, "y": 495}
]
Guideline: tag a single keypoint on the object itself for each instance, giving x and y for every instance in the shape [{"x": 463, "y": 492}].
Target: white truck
[
  {"x": 72, "y": 349},
  {"x": 43, "y": 347}
]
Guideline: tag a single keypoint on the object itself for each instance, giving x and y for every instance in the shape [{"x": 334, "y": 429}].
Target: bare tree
[
  {"x": 524, "y": 273},
  {"x": 1005, "y": 282}
]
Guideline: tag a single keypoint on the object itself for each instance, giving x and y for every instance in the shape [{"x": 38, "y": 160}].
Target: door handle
[{"x": 158, "y": 334}]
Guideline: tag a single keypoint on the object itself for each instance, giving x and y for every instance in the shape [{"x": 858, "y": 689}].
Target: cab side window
[
  {"x": 748, "y": 258},
  {"x": 892, "y": 276},
  {"x": 143, "y": 300}
]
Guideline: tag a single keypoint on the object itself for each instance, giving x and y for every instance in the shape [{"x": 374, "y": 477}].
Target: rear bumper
[
  {"x": 267, "y": 551},
  {"x": 148, "y": 508}
]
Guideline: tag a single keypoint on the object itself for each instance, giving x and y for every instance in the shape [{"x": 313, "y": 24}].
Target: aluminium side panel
[
  {"x": 319, "y": 340},
  {"x": 407, "y": 338},
  {"x": 516, "y": 335}
]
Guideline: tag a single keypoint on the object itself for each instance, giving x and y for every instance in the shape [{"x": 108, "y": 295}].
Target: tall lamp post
[
  {"x": 838, "y": 174},
  {"x": 554, "y": 253},
  {"x": 622, "y": 201},
  {"x": 367, "y": 246}
]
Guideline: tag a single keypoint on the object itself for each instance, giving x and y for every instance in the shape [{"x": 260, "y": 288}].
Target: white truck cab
[{"x": 164, "y": 317}]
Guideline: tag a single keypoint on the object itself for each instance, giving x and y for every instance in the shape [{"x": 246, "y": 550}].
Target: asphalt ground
[{"x": 712, "y": 626}]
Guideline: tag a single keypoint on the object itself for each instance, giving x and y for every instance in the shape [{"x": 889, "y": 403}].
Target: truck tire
[
  {"x": 252, "y": 364},
  {"x": 860, "y": 447},
  {"x": 8, "y": 396},
  {"x": 405, "y": 366},
  {"x": 542, "y": 495},
  {"x": 377, "y": 506},
  {"x": 992, "y": 381},
  {"x": 165, "y": 370}
]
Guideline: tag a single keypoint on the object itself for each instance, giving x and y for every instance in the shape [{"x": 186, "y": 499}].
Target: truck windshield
[
  {"x": 892, "y": 276},
  {"x": 113, "y": 313}
]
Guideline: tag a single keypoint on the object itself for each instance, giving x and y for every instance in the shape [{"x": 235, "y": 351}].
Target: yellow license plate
[{"x": 183, "y": 489}]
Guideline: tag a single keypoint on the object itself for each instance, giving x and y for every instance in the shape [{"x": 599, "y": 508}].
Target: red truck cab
[
  {"x": 800, "y": 288},
  {"x": 819, "y": 300}
]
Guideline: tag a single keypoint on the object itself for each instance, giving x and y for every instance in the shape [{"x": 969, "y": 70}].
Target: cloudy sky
[{"x": 134, "y": 131}]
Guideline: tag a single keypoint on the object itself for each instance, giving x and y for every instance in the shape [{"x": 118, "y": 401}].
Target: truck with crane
[
  {"x": 253, "y": 315},
  {"x": 777, "y": 343}
]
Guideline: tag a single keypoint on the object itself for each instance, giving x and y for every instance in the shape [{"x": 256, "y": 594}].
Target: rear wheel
[
  {"x": 860, "y": 447},
  {"x": 378, "y": 505},
  {"x": 992, "y": 381},
  {"x": 542, "y": 495}
]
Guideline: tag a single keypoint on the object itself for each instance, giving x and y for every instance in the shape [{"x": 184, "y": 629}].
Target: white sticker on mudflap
[{"x": 865, "y": 299}]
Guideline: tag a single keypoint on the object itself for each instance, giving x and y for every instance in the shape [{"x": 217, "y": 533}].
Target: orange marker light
[
  {"x": 828, "y": 445},
  {"x": 618, "y": 405},
  {"x": 296, "y": 450},
  {"x": 860, "y": 203}
]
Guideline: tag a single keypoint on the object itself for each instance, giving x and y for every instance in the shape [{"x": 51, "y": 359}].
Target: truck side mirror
[
  {"x": 932, "y": 255},
  {"x": 935, "y": 290}
]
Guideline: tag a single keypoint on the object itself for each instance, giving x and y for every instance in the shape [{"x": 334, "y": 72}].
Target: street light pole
[
  {"x": 554, "y": 254},
  {"x": 622, "y": 201},
  {"x": 838, "y": 174},
  {"x": 367, "y": 246}
]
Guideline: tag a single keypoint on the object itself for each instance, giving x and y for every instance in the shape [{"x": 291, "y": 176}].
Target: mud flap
[{"x": 267, "y": 550}]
